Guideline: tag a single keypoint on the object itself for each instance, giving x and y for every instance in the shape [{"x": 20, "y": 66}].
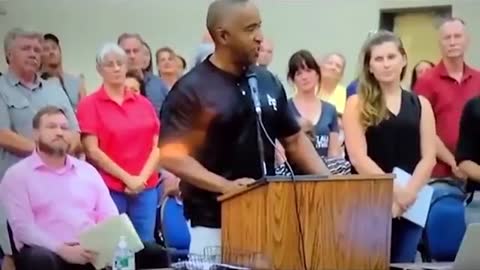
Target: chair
[
  {"x": 445, "y": 226},
  {"x": 444, "y": 229},
  {"x": 152, "y": 256},
  {"x": 176, "y": 234},
  {"x": 12, "y": 241},
  {"x": 12, "y": 244}
]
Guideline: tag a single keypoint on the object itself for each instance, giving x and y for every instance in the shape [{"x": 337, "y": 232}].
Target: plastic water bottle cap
[{"x": 123, "y": 242}]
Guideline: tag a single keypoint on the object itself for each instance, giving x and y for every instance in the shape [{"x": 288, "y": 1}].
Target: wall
[
  {"x": 319, "y": 25},
  {"x": 82, "y": 26},
  {"x": 465, "y": 9}
]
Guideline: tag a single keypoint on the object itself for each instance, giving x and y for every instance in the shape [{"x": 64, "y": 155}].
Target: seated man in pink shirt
[{"x": 51, "y": 197}]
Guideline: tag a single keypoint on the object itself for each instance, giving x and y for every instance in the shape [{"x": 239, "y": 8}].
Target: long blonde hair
[{"x": 373, "y": 106}]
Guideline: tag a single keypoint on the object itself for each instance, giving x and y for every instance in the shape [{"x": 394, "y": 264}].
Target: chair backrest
[
  {"x": 12, "y": 240},
  {"x": 174, "y": 225},
  {"x": 445, "y": 227}
]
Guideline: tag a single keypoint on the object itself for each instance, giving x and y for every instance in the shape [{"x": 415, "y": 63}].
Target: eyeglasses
[{"x": 113, "y": 64}]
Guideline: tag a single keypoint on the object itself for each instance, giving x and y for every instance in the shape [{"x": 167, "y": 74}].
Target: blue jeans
[
  {"x": 442, "y": 188},
  {"x": 406, "y": 236},
  {"x": 141, "y": 209}
]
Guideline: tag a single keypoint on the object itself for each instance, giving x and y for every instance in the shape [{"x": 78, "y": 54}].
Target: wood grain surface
[{"x": 345, "y": 223}]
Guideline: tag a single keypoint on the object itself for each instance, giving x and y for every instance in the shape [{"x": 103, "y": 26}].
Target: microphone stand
[
  {"x": 253, "y": 84},
  {"x": 261, "y": 147}
]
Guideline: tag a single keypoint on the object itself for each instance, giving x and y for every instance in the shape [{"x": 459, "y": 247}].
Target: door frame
[{"x": 387, "y": 15}]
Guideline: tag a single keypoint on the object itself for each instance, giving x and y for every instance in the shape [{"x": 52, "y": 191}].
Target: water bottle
[{"x": 123, "y": 258}]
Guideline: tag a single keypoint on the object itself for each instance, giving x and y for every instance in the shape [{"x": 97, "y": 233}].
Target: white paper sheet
[
  {"x": 104, "y": 238},
  {"x": 418, "y": 212}
]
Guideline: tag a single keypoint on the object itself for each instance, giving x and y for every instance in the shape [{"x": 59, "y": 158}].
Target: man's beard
[{"x": 57, "y": 151}]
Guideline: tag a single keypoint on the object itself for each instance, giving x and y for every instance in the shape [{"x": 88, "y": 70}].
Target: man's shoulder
[
  {"x": 198, "y": 74},
  {"x": 192, "y": 81},
  {"x": 264, "y": 74},
  {"x": 268, "y": 81},
  {"x": 425, "y": 85},
  {"x": 52, "y": 89},
  {"x": 50, "y": 83},
  {"x": 153, "y": 80},
  {"x": 17, "y": 170}
]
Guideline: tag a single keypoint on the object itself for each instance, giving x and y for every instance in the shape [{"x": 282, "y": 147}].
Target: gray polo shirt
[
  {"x": 71, "y": 86},
  {"x": 18, "y": 105}
]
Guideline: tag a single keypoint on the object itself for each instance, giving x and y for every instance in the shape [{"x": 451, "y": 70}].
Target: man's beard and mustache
[{"x": 53, "y": 149}]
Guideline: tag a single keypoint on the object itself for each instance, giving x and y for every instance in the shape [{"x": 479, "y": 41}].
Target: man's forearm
[
  {"x": 472, "y": 170},
  {"x": 443, "y": 154},
  {"x": 302, "y": 153},
  {"x": 16, "y": 143},
  {"x": 191, "y": 171},
  {"x": 421, "y": 175},
  {"x": 29, "y": 234}
]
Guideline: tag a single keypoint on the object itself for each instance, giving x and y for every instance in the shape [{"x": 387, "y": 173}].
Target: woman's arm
[
  {"x": 95, "y": 154},
  {"x": 355, "y": 141},
  {"x": 152, "y": 162},
  {"x": 423, "y": 170},
  {"x": 334, "y": 147}
]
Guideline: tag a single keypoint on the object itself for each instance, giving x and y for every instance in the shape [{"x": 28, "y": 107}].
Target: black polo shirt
[
  {"x": 468, "y": 147},
  {"x": 214, "y": 108}
]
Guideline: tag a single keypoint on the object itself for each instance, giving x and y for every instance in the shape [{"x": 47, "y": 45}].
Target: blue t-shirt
[
  {"x": 352, "y": 88},
  {"x": 327, "y": 123}
]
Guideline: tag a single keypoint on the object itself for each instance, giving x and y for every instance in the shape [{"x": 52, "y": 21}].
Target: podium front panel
[{"x": 345, "y": 224}]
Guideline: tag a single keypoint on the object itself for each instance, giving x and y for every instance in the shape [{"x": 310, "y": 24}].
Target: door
[{"x": 419, "y": 36}]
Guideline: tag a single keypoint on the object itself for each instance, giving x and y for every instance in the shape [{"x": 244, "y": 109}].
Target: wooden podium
[{"x": 345, "y": 220}]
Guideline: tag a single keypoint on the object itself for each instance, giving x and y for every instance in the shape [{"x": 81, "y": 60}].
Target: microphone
[{"x": 253, "y": 84}]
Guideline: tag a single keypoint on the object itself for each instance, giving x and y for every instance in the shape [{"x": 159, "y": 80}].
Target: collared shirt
[
  {"x": 156, "y": 90},
  {"x": 448, "y": 97},
  {"x": 49, "y": 207},
  {"x": 70, "y": 84},
  {"x": 125, "y": 132},
  {"x": 215, "y": 108},
  {"x": 19, "y": 104}
]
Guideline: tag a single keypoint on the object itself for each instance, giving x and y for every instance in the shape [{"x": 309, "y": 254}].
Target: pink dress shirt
[{"x": 47, "y": 207}]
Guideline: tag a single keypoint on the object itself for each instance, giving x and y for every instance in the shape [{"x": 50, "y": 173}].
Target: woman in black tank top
[{"x": 387, "y": 127}]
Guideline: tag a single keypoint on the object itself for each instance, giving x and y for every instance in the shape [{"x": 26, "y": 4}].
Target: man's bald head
[
  {"x": 265, "y": 55},
  {"x": 218, "y": 11}
]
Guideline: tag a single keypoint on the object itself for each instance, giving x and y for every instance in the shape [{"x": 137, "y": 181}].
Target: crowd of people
[{"x": 70, "y": 159}]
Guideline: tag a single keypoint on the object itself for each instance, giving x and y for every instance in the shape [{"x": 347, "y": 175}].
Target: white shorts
[{"x": 203, "y": 237}]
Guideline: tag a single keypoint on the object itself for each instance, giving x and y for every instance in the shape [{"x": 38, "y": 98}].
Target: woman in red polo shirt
[{"x": 119, "y": 133}]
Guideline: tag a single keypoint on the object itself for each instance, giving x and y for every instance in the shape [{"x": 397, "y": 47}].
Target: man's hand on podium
[{"x": 231, "y": 186}]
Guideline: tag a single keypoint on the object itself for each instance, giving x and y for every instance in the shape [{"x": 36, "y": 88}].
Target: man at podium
[{"x": 209, "y": 135}]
